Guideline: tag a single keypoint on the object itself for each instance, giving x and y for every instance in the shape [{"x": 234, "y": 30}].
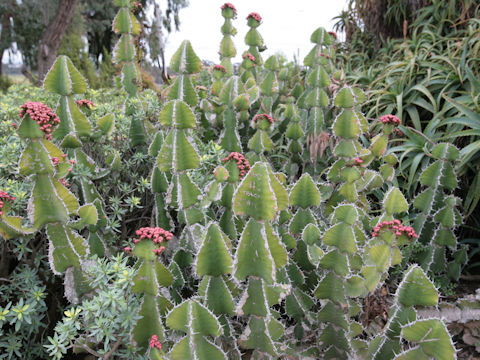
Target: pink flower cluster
[
  {"x": 358, "y": 161},
  {"x": 255, "y": 16},
  {"x": 259, "y": 117},
  {"x": 156, "y": 234},
  {"x": 230, "y": 6},
  {"x": 64, "y": 182},
  {"x": 250, "y": 56},
  {"x": 220, "y": 68},
  {"x": 390, "y": 119},
  {"x": 155, "y": 343},
  {"x": 326, "y": 55},
  {"x": 242, "y": 164},
  {"x": 42, "y": 114},
  {"x": 55, "y": 160},
  {"x": 85, "y": 102},
  {"x": 4, "y": 197},
  {"x": 396, "y": 227}
]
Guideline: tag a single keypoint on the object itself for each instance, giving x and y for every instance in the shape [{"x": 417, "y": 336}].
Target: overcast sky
[{"x": 286, "y": 26}]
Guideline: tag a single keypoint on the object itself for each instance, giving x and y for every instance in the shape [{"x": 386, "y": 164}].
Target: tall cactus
[
  {"x": 439, "y": 215},
  {"x": 260, "y": 196},
  {"x": 51, "y": 203},
  {"x": 152, "y": 276},
  {"x": 74, "y": 131},
  {"x": 227, "y": 48},
  {"x": 128, "y": 27}
]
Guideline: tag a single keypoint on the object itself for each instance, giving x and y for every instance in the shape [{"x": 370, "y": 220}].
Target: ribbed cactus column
[
  {"x": 128, "y": 26},
  {"x": 227, "y": 48},
  {"x": 255, "y": 45},
  {"x": 51, "y": 203},
  {"x": 315, "y": 99},
  {"x": 260, "y": 142},
  {"x": 178, "y": 152},
  {"x": 439, "y": 215},
  {"x": 259, "y": 197},
  {"x": 426, "y": 339},
  {"x": 233, "y": 96},
  {"x": 237, "y": 166},
  {"x": 214, "y": 262},
  {"x": 151, "y": 276},
  {"x": 197, "y": 322},
  {"x": 269, "y": 84},
  {"x": 294, "y": 133},
  {"x": 65, "y": 80}
]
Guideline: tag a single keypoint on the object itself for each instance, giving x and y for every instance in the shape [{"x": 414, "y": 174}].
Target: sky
[{"x": 286, "y": 26}]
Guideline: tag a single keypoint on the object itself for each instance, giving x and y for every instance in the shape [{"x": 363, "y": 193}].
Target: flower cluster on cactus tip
[
  {"x": 155, "y": 343},
  {"x": 220, "y": 68},
  {"x": 333, "y": 34},
  {"x": 255, "y": 16},
  {"x": 249, "y": 56},
  {"x": 156, "y": 234},
  {"x": 358, "y": 161},
  {"x": 230, "y": 6},
  {"x": 85, "y": 102},
  {"x": 242, "y": 164},
  {"x": 326, "y": 55},
  {"x": 259, "y": 117},
  {"x": 396, "y": 227},
  {"x": 5, "y": 197},
  {"x": 42, "y": 114},
  {"x": 390, "y": 119}
]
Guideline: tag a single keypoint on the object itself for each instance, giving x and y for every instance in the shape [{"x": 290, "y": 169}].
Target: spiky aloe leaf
[
  {"x": 253, "y": 256},
  {"x": 64, "y": 79},
  {"x": 214, "y": 256},
  {"x": 417, "y": 289},
  {"x": 305, "y": 193},
  {"x": 185, "y": 61},
  {"x": 66, "y": 248},
  {"x": 260, "y": 194},
  {"x": 178, "y": 114}
]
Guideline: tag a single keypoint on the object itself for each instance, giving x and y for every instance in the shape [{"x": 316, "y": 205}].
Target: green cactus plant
[
  {"x": 128, "y": 27},
  {"x": 260, "y": 196},
  {"x": 438, "y": 215},
  {"x": 227, "y": 48}
]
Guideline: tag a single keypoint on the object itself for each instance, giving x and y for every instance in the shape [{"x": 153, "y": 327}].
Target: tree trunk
[
  {"x": 6, "y": 35},
  {"x": 52, "y": 37}
]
